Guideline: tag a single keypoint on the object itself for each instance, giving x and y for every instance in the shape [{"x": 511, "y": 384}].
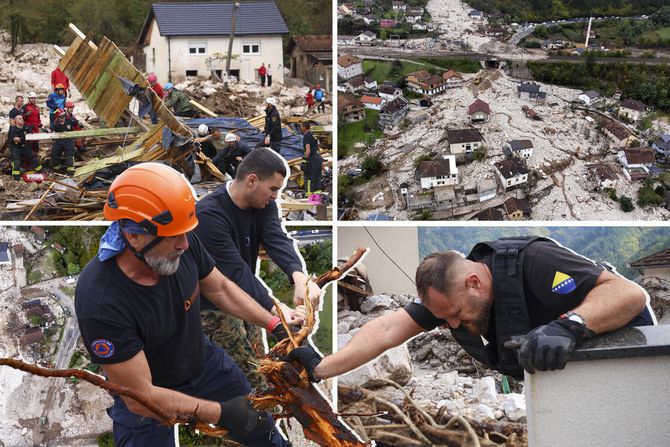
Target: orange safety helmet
[
  {"x": 155, "y": 196},
  {"x": 61, "y": 86}
]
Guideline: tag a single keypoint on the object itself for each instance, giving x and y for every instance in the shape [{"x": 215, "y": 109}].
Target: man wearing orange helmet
[
  {"x": 79, "y": 143},
  {"x": 58, "y": 77},
  {"x": 138, "y": 308},
  {"x": 56, "y": 100}
]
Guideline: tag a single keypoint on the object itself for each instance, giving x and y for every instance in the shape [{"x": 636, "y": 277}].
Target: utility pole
[
  {"x": 236, "y": 7},
  {"x": 588, "y": 34}
]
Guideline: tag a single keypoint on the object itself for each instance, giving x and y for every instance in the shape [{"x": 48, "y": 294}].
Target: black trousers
[
  {"x": 19, "y": 155},
  {"x": 269, "y": 81},
  {"x": 60, "y": 148},
  {"x": 262, "y": 81},
  {"x": 313, "y": 175}
]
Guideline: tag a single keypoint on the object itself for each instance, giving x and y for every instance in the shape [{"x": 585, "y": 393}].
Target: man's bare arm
[
  {"x": 373, "y": 339},
  {"x": 612, "y": 303},
  {"x": 135, "y": 374}
]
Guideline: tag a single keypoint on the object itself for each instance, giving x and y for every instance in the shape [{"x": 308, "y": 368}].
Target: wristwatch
[{"x": 573, "y": 316}]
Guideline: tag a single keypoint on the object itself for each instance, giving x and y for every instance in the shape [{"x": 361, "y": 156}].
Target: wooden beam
[
  {"x": 203, "y": 108},
  {"x": 59, "y": 50},
  {"x": 83, "y": 133},
  {"x": 77, "y": 32}
]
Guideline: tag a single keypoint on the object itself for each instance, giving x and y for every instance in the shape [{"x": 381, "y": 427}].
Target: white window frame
[
  {"x": 197, "y": 46},
  {"x": 250, "y": 51}
]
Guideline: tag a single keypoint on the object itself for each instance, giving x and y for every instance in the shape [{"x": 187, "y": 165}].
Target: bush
[
  {"x": 646, "y": 196},
  {"x": 479, "y": 154},
  {"x": 626, "y": 204},
  {"x": 611, "y": 193},
  {"x": 372, "y": 166}
]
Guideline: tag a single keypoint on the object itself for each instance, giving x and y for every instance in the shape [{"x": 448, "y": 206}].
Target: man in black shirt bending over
[
  {"x": 138, "y": 309},
  {"x": 529, "y": 287},
  {"x": 235, "y": 220}
]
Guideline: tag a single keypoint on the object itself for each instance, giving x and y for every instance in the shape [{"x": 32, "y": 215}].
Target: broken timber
[
  {"x": 83, "y": 133},
  {"x": 93, "y": 70}
]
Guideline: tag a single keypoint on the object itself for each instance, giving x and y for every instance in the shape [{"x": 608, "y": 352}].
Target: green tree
[
  {"x": 626, "y": 204},
  {"x": 372, "y": 166}
]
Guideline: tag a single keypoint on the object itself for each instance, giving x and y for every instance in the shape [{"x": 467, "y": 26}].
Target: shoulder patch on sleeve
[{"x": 102, "y": 348}]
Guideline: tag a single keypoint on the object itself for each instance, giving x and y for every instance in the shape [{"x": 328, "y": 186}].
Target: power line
[{"x": 386, "y": 254}]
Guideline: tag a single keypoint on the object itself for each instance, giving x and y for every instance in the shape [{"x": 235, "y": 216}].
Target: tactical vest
[{"x": 511, "y": 311}]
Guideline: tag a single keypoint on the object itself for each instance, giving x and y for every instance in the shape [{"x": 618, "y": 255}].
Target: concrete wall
[
  {"x": 271, "y": 52},
  {"x": 400, "y": 243},
  {"x": 661, "y": 272},
  {"x": 600, "y": 403}
]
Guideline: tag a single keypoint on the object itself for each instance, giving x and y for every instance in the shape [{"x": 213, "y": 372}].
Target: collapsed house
[{"x": 118, "y": 137}]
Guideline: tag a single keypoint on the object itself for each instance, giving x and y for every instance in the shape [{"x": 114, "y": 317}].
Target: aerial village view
[{"x": 481, "y": 110}]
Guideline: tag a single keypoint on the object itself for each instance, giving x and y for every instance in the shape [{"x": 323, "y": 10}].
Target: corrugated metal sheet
[{"x": 213, "y": 19}]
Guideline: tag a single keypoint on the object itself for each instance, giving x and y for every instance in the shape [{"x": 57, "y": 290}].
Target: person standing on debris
[
  {"x": 20, "y": 152},
  {"x": 138, "y": 309},
  {"x": 530, "y": 287},
  {"x": 56, "y": 100},
  {"x": 312, "y": 160},
  {"x": 269, "y": 74},
  {"x": 79, "y": 143},
  {"x": 33, "y": 120},
  {"x": 178, "y": 101},
  {"x": 309, "y": 99},
  {"x": 320, "y": 97},
  {"x": 212, "y": 144},
  {"x": 16, "y": 110},
  {"x": 158, "y": 89},
  {"x": 63, "y": 147},
  {"x": 235, "y": 220},
  {"x": 273, "y": 135},
  {"x": 229, "y": 159},
  {"x": 58, "y": 77},
  {"x": 262, "y": 72}
]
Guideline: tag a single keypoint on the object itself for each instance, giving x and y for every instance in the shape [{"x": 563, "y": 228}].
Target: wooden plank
[
  {"x": 69, "y": 54},
  {"x": 83, "y": 133},
  {"x": 94, "y": 166},
  {"x": 203, "y": 108},
  {"x": 102, "y": 59},
  {"x": 77, "y": 32},
  {"x": 101, "y": 84},
  {"x": 59, "y": 50},
  {"x": 109, "y": 95}
]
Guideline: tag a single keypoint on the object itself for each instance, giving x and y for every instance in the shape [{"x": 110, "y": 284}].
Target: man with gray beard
[{"x": 138, "y": 308}]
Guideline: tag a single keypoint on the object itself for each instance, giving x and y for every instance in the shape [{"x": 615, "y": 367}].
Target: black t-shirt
[
  {"x": 15, "y": 112},
  {"x": 273, "y": 124},
  {"x": 119, "y": 318},
  {"x": 233, "y": 237},
  {"x": 556, "y": 280},
  {"x": 314, "y": 155}
]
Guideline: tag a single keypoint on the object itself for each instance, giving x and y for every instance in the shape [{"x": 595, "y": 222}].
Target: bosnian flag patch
[
  {"x": 563, "y": 284},
  {"x": 102, "y": 348}
]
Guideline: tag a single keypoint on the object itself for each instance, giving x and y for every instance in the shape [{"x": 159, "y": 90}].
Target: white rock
[
  {"x": 377, "y": 302},
  {"x": 464, "y": 381},
  {"x": 449, "y": 378},
  {"x": 514, "y": 406},
  {"x": 485, "y": 389},
  {"x": 484, "y": 411},
  {"x": 453, "y": 405},
  {"x": 498, "y": 414},
  {"x": 394, "y": 364}
]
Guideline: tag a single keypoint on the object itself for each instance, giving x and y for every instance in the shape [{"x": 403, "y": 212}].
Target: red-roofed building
[
  {"x": 479, "y": 111},
  {"x": 373, "y": 102}
]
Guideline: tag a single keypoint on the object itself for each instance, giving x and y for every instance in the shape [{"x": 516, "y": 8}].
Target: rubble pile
[{"x": 431, "y": 373}]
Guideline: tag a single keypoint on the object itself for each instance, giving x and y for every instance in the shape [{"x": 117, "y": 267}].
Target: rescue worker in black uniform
[
  {"x": 20, "y": 152},
  {"x": 230, "y": 157},
  {"x": 272, "y": 125},
  {"x": 312, "y": 161},
  {"x": 529, "y": 287},
  {"x": 65, "y": 147}
]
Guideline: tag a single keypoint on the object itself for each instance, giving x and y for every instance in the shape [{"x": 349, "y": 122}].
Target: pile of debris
[
  {"x": 118, "y": 97},
  {"x": 425, "y": 384}
]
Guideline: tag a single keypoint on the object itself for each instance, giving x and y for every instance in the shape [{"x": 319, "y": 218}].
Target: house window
[
  {"x": 191, "y": 73},
  {"x": 251, "y": 48},
  {"x": 197, "y": 48}
]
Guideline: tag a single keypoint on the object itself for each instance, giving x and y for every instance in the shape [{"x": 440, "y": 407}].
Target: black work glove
[
  {"x": 239, "y": 417},
  {"x": 279, "y": 332},
  {"x": 308, "y": 359},
  {"x": 549, "y": 347}
]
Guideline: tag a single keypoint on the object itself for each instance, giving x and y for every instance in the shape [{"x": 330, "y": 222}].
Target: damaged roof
[
  {"x": 315, "y": 43},
  {"x": 511, "y": 168},
  {"x": 435, "y": 168},
  {"x": 214, "y": 19},
  {"x": 457, "y": 136}
]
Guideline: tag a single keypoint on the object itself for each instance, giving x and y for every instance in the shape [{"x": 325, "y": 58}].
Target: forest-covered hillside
[
  {"x": 617, "y": 245},
  {"x": 540, "y": 10}
]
